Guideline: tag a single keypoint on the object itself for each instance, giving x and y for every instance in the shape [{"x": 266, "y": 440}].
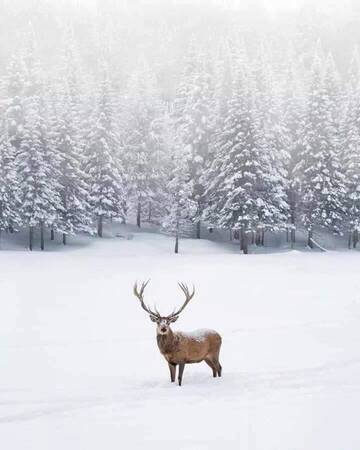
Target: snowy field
[{"x": 80, "y": 369}]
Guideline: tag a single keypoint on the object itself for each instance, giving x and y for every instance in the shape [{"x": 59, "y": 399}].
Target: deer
[{"x": 180, "y": 348}]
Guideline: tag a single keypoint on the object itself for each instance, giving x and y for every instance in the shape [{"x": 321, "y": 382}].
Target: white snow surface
[{"x": 80, "y": 368}]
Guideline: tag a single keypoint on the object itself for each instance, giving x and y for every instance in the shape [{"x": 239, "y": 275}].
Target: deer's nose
[{"x": 163, "y": 329}]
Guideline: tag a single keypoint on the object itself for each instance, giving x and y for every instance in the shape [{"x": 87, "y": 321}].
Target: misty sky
[{"x": 161, "y": 29}]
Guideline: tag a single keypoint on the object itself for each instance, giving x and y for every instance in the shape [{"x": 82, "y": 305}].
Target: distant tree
[
  {"x": 244, "y": 191},
  {"x": 14, "y": 92},
  {"x": 274, "y": 143},
  {"x": 74, "y": 215},
  {"x": 9, "y": 189},
  {"x": 35, "y": 159},
  {"x": 194, "y": 111},
  {"x": 104, "y": 171},
  {"x": 322, "y": 185},
  {"x": 350, "y": 143},
  {"x": 39, "y": 191},
  {"x": 292, "y": 116},
  {"x": 180, "y": 207},
  {"x": 143, "y": 150}
]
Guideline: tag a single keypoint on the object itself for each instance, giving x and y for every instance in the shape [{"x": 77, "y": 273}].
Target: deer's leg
[
  {"x": 172, "y": 368},
  {"x": 212, "y": 365},
  {"x": 181, "y": 371},
  {"x": 215, "y": 359},
  {"x": 219, "y": 370}
]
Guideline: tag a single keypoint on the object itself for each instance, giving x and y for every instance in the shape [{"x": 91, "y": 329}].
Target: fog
[{"x": 160, "y": 30}]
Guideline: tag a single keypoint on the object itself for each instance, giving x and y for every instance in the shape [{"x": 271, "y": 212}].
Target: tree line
[{"x": 248, "y": 142}]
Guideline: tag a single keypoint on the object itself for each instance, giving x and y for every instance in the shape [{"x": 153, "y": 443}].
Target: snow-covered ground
[{"x": 80, "y": 369}]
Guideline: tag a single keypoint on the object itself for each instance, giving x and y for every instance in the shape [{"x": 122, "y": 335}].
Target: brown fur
[{"x": 180, "y": 348}]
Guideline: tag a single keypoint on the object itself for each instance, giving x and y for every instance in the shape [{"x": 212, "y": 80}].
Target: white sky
[
  {"x": 292, "y": 4},
  {"x": 282, "y": 4}
]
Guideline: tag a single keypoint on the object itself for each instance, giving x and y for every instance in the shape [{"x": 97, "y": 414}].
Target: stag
[{"x": 177, "y": 347}]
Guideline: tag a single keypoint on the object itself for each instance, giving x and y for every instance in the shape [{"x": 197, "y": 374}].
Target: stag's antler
[
  {"x": 140, "y": 296},
  {"x": 188, "y": 297}
]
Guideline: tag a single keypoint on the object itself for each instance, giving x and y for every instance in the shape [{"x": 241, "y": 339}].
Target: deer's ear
[
  {"x": 173, "y": 319},
  {"x": 153, "y": 319}
]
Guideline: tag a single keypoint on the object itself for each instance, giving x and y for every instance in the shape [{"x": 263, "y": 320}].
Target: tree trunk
[
  {"x": 245, "y": 242},
  {"x": 150, "y": 211},
  {"x": 64, "y": 238},
  {"x": 177, "y": 242},
  {"x": 350, "y": 239},
  {"x": 52, "y": 234},
  {"x": 138, "y": 215},
  {"x": 292, "y": 237},
  {"x": 31, "y": 238},
  {"x": 310, "y": 234},
  {"x": 198, "y": 229},
  {"x": 100, "y": 226},
  {"x": 262, "y": 236},
  {"x": 287, "y": 234},
  {"x": 257, "y": 237},
  {"x": 231, "y": 235},
  {"x": 355, "y": 238},
  {"x": 42, "y": 242}
]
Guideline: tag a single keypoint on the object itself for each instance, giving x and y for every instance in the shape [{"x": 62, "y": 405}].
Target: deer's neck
[{"x": 166, "y": 342}]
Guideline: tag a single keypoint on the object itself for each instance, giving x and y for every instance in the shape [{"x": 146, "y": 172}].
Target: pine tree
[
  {"x": 292, "y": 116},
  {"x": 144, "y": 152},
  {"x": 9, "y": 194},
  {"x": 351, "y": 158},
  {"x": 38, "y": 188},
  {"x": 319, "y": 171},
  {"x": 354, "y": 70},
  {"x": 234, "y": 200},
  {"x": 14, "y": 90},
  {"x": 104, "y": 171},
  {"x": 35, "y": 158},
  {"x": 194, "y": 111},
  {"x": 274, "y": 143},
  {"x": 74, "y": 215},
  {"x": 180, "y": 207}
]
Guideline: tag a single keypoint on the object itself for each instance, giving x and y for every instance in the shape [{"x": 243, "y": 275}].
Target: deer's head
[{"x": 163, "y": 322}]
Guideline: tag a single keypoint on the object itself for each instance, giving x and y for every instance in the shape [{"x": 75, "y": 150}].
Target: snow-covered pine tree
[
  {"x": 231, "y": 58},
  {"x": 319, "y": 171},
  {"x": 74, "y": 215},
  {"x": 104, "y": 171},
  {"x": 9, "y": 190},
  {"x": 237, "y": 194},
  {"x": 334, "y": 215},
  {"x": 354, "y": 70},
  {"x": 11, "y": 110},
  {"x": 274, "y": 143},
  {"x": 143, "y": 149},
  {"x": 14, "y": 92},
  {"x": 159, "y": 167},
  {"x": 350, "y": 143},
  {"x": 180, "y": 207},
  {"x": 39, "y": 193},
  {"x": 292, "y": 116},
  {"x": 194, "y": 111}
]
